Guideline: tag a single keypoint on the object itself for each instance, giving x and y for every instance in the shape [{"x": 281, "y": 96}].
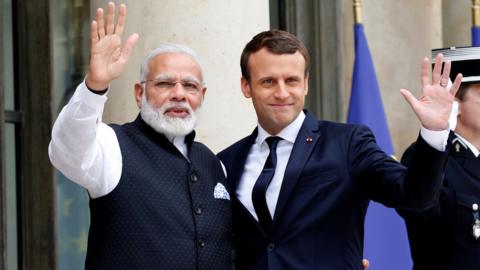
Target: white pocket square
[{"x": 221, "y": 192}]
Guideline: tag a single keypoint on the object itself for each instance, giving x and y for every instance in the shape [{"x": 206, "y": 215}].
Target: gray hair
[{"x": 168, "y": 48}]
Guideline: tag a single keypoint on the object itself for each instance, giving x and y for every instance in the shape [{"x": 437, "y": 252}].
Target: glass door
[
  {"x": 10, "y": 122},
  {"x": 70, "y": 24}
]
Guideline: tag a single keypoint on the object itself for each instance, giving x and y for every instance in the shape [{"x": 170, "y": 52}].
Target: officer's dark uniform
[{"x": 448, "y": 237}]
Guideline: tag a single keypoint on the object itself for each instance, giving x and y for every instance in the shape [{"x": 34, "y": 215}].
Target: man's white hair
[{"x": 168, "y": 48}]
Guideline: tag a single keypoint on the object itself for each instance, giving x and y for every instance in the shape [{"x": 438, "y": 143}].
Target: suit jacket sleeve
[
  {"x": 434, "y": 210},
  {"x": 385, "y": 180}
]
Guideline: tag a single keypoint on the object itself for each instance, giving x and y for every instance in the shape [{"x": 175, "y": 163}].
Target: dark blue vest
[{"x": 162, "y": 214}]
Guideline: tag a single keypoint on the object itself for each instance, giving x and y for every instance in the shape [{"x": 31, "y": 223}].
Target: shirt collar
[
  {"x": 470, "y": 146},
  {"x": 289, "y": 133},
  {"x": 178, "y": 140}
]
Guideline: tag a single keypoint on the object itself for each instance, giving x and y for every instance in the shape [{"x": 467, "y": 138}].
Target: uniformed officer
[{"x": 448, "y": 237}]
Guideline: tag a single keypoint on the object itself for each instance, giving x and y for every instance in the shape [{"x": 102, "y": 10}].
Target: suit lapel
[
  {"x": 304, "y": 144},
  {"x": 238, "y": 165}
]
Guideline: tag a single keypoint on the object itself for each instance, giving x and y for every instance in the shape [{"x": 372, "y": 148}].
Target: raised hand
[
  {"x": 434, "y": 106},
  {"x": 107, "y": 56}
]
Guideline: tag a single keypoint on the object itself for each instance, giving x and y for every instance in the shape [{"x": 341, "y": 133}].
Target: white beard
[{"x": 170, "y": 126}]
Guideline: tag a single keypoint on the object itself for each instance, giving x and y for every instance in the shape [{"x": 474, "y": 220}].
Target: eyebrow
[
  {"x": 266, "y": 78},
  {"x": 164, "y": 76},
  {"x": 294, "y": 78},
  {"x": 191, "y": 79},
  {"x": 169, "y": 77}
]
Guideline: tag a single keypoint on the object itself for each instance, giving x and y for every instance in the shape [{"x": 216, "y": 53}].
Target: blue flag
[
  {"x": 386, "y": 241},
  {"x": 476, "y": 36}
]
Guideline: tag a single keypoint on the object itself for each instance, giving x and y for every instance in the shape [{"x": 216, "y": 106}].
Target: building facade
[{"x": 44, "y": 49}]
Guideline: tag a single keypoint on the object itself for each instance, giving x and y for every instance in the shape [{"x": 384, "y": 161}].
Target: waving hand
[
  {"x": 107, "y": 56},
  {"x": 434, "y": 106}
]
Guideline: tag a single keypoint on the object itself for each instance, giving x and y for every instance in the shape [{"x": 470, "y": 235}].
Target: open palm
[
  {"x": 107, "y": 57},
  {"x": 434, "y": 106}
]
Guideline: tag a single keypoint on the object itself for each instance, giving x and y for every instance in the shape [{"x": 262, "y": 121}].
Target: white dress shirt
[
  {"x": 86, "y": 150},
  {"x": 259, "y": 152}
]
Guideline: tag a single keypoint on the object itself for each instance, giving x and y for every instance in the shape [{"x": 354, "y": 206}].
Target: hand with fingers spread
[
  {"x": 433, "y": 108},
  {"x": 107, "y": 56}
]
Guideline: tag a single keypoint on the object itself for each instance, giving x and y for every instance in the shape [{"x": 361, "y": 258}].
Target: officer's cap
[{"x": 465, "y": 60}]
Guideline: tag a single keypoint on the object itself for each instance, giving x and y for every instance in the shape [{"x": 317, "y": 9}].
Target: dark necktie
[{"x": 260, "y": 188}]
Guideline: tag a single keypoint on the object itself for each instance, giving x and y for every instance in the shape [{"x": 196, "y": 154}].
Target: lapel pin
[
  {"x": 457, "y": 147},
  {"x": 309, "y": 139}
]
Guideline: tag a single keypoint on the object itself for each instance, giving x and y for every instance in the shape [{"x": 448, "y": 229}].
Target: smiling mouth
[{"x": 280, "y": 105}]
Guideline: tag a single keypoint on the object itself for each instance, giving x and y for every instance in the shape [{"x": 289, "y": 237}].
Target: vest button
[
  {"x": 193, "y": 178},
  {"x": 198, "y": 211},
  {"x": 271, "y": 247},
  {"x": 201, "y": 243}
]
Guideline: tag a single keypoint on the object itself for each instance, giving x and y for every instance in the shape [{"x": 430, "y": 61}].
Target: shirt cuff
[
  {"x": 103, "y": 92},
  {"x": 436, "y": 139},
  {"x": 88, "y": 97}
]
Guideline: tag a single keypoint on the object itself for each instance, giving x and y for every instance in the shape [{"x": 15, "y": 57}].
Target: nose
[
  {"x": 178, "y": 92},
  {"x": 281, "y": 92}
]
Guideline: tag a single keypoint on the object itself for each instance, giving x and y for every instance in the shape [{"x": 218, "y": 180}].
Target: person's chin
[
  {"x": 179, "y": 125},
  {"x": 282, "y": 121}
]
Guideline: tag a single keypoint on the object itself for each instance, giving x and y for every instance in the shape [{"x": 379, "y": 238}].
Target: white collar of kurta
[
  {"x": 175, "y": 139},
  {"x": 179, "y": 143},
  {"x": 472, "y": 148},
  {"x": 289, "y": 133}
]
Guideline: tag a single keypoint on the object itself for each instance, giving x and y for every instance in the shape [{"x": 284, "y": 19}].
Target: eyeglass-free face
[
  {"x": 277, "y": 87},
  {"x": 173, "y": 77},
  {"x": 468, "y": 121}
]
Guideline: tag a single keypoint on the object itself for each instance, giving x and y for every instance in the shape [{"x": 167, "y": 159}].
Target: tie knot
[{"x": 272, "y": 142}]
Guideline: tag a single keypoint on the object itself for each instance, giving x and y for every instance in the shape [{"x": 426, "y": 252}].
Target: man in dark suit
[
  {"x": 450, "y": 230},
  {"x": 303, "y": 186}
]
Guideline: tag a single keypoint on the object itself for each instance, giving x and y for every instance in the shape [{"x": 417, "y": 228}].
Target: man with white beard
[{"x": 158, "y": 199}]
